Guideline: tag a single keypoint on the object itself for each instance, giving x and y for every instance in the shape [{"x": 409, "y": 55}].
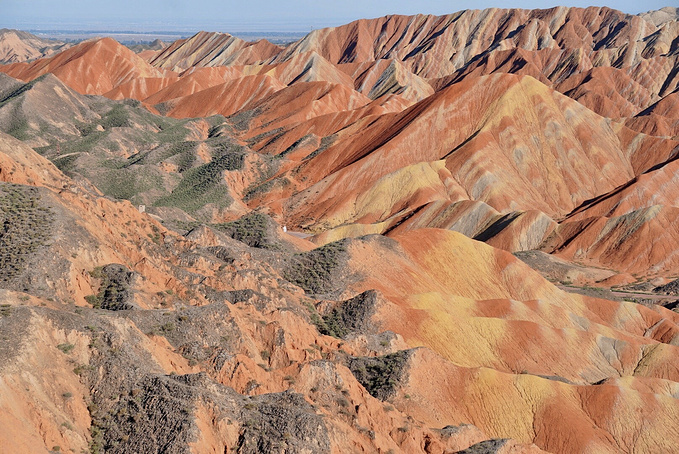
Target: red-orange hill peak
[{"x": 92, "y": 67}]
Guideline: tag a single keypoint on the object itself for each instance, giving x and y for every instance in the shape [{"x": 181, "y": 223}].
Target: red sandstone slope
[
  {"x": 660, "y": 119},
  {"x": 456, "y": 39},
  {"x": 301, "y": 102},
  {"x": 504, "y": 349},
  {"x": 93, "y": 67},
  {"x": 389, "y": 76},
  {"x": 141, "y": 88},
  {"x": 194, "y": 80},
  {"x": 561, "y": 46},
  {"x": 213, "y": 49},
  {"x": 416, "y": 168},
  {"x": 481, "y": 309},
  {"x": 226, "y": 358},
  {"x": 224, "y": 99},
  {"x": 305, "y": 67},
  {"x": 546, "y": 129},
  {"x": 582, "y": 52},
  {"x": 490, "y": 139}
]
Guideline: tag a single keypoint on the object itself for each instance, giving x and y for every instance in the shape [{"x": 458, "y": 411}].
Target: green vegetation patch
[
  {"x": 171, "y": 133},
  {"x": 115, "y": 290},
  {"x": 126, "y": 183},
  {"x": 19, "y": 90},
  {"x": 66, "y": 163},
  {"x": 241, "y": 120},
  {"x": 350, "y": 316},
  {"x": 380, "y": 375},
  {"x": 326, "y": 142},
  {"x": 281, "y": 422},
  {"x": 318, "y": 320},
  {"x": 17, "y": 126},
  {"x": 24, "y": 227},
  {"x": 186, "y": 154},
  {"x": 263, "y": 188},
  {"x": 296, "y": 144},
  {"x": 83, "y": 144},
  {"x": 252, "y": 229},
  {"x": 66, "y": 347},
  {"x": 118, "y": 117},
  {"x": 204, "y": 184},
  {"x": 314, "y": 270}
]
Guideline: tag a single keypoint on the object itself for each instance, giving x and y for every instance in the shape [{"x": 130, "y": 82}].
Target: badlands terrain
[{"x": 411, "y": 234}]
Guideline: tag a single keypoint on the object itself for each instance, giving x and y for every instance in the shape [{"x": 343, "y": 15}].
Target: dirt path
[
  {"x": 649, "y": 296},
  {"x": 618, "y": 294},
  {"x": 298, "y": 234}
]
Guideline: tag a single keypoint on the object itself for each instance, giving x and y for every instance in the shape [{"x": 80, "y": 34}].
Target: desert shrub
[
  {"x": 380, "y": 375},
  {"x": 203, "y": 184},
  {"x": 326, "y": 142},
  {"x": 66, "y": 347},
  {"x": 93, "y": 300},
  {"x": 118, "y": 117},
  {"x": 250, "y": 229},
  {"x": 24, "y": 227},
  {"x": 352, "y": 315},
  {"x": 313, "y": 270},
  {"x": 66, "y": 163},
  {"x": 114, "y": 291}
]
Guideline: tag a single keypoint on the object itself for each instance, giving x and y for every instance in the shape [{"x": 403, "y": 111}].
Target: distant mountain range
[{"x": 18, "y": 46}]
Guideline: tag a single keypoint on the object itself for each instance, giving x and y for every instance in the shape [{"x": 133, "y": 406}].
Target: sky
[{"x": 248, "y": 15}]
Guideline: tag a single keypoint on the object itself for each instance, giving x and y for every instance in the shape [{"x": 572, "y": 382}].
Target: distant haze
[{"x": 249, "y": 15}]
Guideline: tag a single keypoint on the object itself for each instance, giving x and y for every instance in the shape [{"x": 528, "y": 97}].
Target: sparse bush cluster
[
  {"x": 66, "y": 347},
  {"x": 672, "y": 288},
  {"x": 118, "y": 117},
  {"x": 313, "y": 270},
  {"x": 24, "y": 227},
  {"x": 281, "y": 423},
  {"x": 317, "y": 320},
  {"x": 18, "y": 127},
  {"x": 204, "y": 184},
  {"x": 250, "y": 229},
  {"x": 84, "y": 146},
  {"x": 326, "y": 142},
  {"x": 380, "y": 375},
  {"x": 186, "y": 156},
  {"x": 5, "y": 310},
  {"x": 66, "y": 163},
  {"x": 350, "y": 316},
  {"x": 114, "y": 292},
  {"x": 267, "y": 186},
  {"x": 126, "y": 183}
]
